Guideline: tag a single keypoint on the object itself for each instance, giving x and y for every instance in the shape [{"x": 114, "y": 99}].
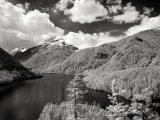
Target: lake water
[{"x": 25, "y": 100}]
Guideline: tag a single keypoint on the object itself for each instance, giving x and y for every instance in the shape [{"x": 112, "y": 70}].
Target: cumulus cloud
[
  {"x": 146, "y": 23},
  {"x": 82, "y": 40},
  {"x": 9, "y": 40},
  {"x": 84, "y": 11},
  {"x": 129, "y": 12},
  {"x": 147, "y": 11},
  {"x": 33, "y": 25},
  {"x": 63, "y": 4},
  {"x": 88, "y": 11},
  {"x": 115, "y": 8},
  {"x": 130, "y": 15}
]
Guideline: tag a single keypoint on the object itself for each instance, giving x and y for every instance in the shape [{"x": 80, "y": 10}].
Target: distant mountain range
[
  {"x": 11, "y": 70},
  {"x": 134, "y": 61}
]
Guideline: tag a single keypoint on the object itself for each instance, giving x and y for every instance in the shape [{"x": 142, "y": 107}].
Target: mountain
[
  {"x": 135, "y": 66},
  {"x": 11, "y": 70},
  {"x": 43, "y": 57},
  {"x": 139, "y": 50},
  {"x": 134, "y": 61}
]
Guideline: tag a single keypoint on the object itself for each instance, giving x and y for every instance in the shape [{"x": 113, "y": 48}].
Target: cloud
[
  {"x": 146, "y": 23},
  {"x": 114, "y": 9},
  {"x": 130, "y": 15},
  {"x": 114, "y": 6},
  {"x": 9, "y": 41},
  {"x": 147, "y": 11},
  {"x": 31, "y": 25},
  {"x": 63, "y": 4},
  {"x": 84, "y": 11},
  {"x": 88, "y": 11},
  {"x": 82, "y": 40},
  {"x": 114, "y": 2}
]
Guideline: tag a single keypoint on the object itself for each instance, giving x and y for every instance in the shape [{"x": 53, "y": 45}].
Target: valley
[
  {"x": 133, "y": 61},
  {"x": 79, "y": 60}
]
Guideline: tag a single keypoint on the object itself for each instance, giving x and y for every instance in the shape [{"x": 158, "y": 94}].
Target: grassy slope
[
  {"x": 11, "y": 70},
  {"x": 43, "y": 57}
]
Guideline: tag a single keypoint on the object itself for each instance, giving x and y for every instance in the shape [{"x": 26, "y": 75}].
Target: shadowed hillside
[{"x": 11, "y": 70}]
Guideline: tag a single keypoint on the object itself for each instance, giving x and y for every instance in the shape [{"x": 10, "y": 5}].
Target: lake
[{"x": 25, "y": 100}]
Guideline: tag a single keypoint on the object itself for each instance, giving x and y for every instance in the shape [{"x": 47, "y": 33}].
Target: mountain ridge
[
  {"x": 132, "y": 43},
  {"x": 109, "y": 56},
  {"x": 40, "y": 58}
]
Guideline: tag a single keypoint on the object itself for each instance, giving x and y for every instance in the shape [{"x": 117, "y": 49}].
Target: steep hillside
[
  {"x": 43, "y": 57},
  {"x": 11, "y": 70},
  {"x": 139, "y": 50}
]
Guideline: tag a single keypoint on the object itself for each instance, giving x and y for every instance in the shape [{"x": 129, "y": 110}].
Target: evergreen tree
[
  {"x": 75, "y": 91},
  {"x": 116, "y": 111},
  {"x": 141, "y": 106}
]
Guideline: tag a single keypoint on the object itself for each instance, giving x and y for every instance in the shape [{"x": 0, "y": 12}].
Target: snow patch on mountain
[{"x": 18, "y": 50}]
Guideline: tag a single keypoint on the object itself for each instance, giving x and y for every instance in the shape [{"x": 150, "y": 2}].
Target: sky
[{"x": 82, "y": 23}]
